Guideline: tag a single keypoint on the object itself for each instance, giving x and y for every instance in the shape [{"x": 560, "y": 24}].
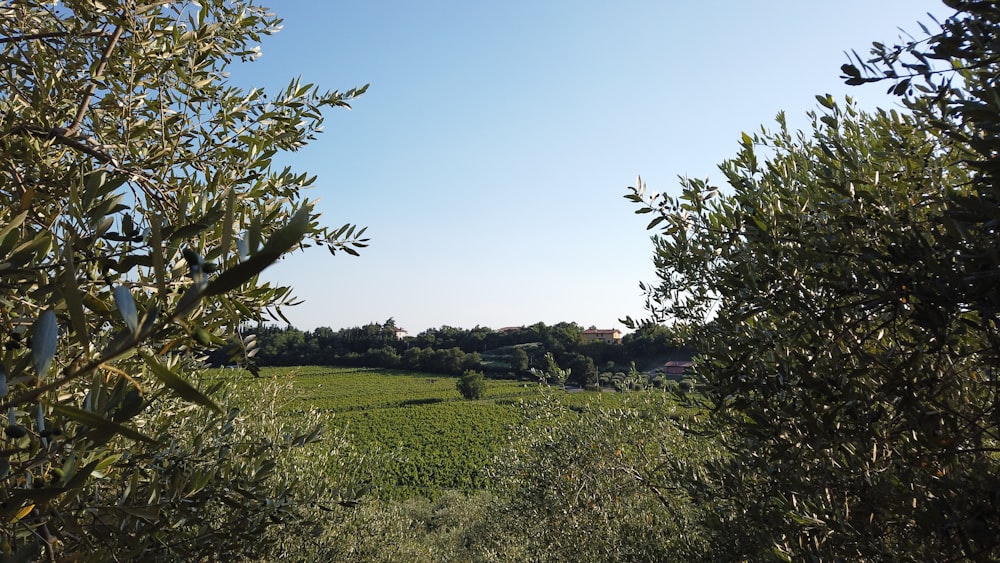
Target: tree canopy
[
  {"x": 140, "y": 201},
  {"x": 841, "y": 292}
]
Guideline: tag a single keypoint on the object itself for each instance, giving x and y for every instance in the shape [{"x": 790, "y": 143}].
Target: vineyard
[
  {"x": 425, "y": 437},
  {"x": 340, "y": 390}
]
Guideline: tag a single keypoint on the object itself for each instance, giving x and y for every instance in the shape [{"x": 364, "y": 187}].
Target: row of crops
[{"x": 433, "y": 447}]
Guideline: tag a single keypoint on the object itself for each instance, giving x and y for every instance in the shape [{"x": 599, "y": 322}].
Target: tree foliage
[
  {"x": 841, "y": 291},
  {"x": 139, "y": 204},
  {"x": 597, "y": 484},
  {"x": 471, "y": 385}
]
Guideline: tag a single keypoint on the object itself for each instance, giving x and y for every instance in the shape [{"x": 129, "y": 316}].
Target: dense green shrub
[
  {"x": 471, "y": 385},
  {"x": 594, "y": 484}
]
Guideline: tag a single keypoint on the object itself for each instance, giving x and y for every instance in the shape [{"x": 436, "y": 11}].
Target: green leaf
[
  {"x": 280, "y": 242},
  {"x": 123, "y": 342},
  {"x": 78, "y": 478},
  {"x": 148, "y": 322},
  {"x": 28, "y": 251},
  {"x": 850, "y": 70},
  {"x": 826, "y": 101},
  {"x": 189, "y": 299},
  {"x": 126, "y": 306},
  {"x": 12, "y": 224},
  {"x": 183, "y": 389},
  {"x": 16, "y": 497},
  {"x": 95, "y": 420},
  {"x": 227, "y": 222},
  {"x": 94, "y": 180},
  {"x": 188, "y": 231},
  {"x": 760, "y": 223},
  {"x": 44, "y": 338},
  {"x": 74, "y": 302}
]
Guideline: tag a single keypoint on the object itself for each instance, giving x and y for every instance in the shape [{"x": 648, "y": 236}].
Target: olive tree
[
  {"x": 138, "y": 204},
  {"x": 591, "y": 483},
  {"x": 841, "y": 293}
]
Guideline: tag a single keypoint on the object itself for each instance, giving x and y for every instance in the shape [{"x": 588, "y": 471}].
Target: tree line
[{"x": 512, "y": 352}]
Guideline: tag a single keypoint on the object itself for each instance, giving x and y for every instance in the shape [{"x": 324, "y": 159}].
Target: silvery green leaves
[
  {"x": 176, "y": 383},
  {"x": 252, "y": 262},
  {"x": 281, "y": 241},
  {"x": 98, "y": 422},
  {"x": 347, "y": 238},
  {"x": 137, "y": 328},
  {"x": 44, "y": 338},
  {"x": 126, "y": 307},
  {"x": 196, "y": 268},
  {"x": 189, "y": 168}
]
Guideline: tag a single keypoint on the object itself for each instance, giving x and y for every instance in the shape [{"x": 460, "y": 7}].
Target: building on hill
[
  {"x": 400, "y": 333},
  {"x": 609, "y": 335},
  {"x": 676, "y": 369}
]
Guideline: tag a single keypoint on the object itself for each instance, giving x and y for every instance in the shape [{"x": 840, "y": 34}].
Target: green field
[
  {"x": 427, "y": 437},
  {"x": 342, "y": 390}
]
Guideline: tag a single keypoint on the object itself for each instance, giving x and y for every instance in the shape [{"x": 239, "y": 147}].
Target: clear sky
[{"x": 491, "y": 153}]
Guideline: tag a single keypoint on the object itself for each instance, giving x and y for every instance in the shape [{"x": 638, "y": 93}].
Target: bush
[
  {"x": 248, "y": 483},
  {"x": 472, "y": 385},
  {"x": 588, "y": 484}
]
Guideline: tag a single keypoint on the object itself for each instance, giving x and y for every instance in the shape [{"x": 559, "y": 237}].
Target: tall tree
[
  {"x": 138, "y": 205},
  {"x": 841, "y": 293},
  {"x": 519, "y": 360}
]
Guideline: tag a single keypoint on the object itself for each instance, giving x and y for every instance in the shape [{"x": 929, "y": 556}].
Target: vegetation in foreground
[
  {"x": 517, "y": 476},
  {"x": 138, "y": 204},
  {"x": 842, "y": 292}
]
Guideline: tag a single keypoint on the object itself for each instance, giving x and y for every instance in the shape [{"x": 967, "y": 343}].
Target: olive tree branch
[
  {"x": 62, "y": 136},
  {"x": 48, "y": 35},
  {"x": 85, "y": 102}
]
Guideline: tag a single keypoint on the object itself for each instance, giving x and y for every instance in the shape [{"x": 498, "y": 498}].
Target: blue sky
[{"x": 491, "y": 153}]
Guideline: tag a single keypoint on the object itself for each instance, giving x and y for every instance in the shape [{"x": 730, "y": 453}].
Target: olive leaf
[
  {"x": 95, "y": 420},
  {"x": 43, "y": 342},
  {"x": 176, "y": 383},
  {"x": 126, "y": 306},
  {"x": 280, "y": 242}
]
